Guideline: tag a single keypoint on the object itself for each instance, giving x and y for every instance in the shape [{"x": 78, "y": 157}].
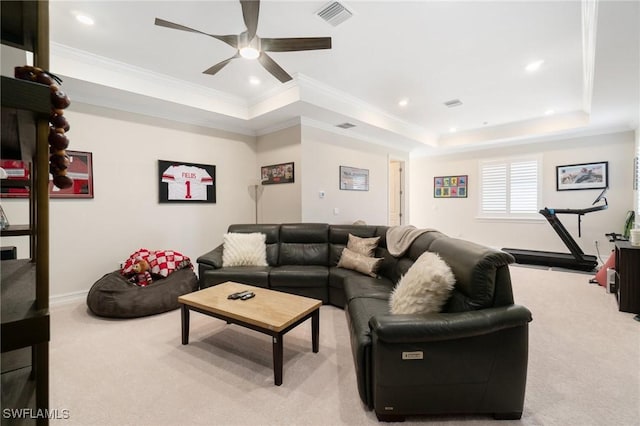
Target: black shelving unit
[{"x": 24, "y": 283}]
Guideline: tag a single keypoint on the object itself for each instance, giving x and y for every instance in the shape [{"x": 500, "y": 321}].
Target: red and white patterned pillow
[{"x": 161, "y": 262}]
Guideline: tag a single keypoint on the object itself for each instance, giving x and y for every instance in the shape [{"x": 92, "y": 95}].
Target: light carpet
[{"x": 584, "y": 359}]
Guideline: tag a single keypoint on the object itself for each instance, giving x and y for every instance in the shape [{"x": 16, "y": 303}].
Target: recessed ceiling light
[
  {"x": 403, "y": 102},
  {"x": 534, "y": 66},
  {"x": 254, "y": 80},
  {"x": 452, "y": 130},
  {"x": 84, "y": 19},
  {"x": 549, "y": 112}
]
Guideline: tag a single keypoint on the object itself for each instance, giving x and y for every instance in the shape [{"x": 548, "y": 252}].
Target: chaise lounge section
[{"x": 469, "y": 358}]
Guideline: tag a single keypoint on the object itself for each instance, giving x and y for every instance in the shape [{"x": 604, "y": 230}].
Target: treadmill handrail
[{"x": 578, "y": 211}]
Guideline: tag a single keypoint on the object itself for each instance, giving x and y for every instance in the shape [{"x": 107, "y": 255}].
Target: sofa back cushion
[
  {"x": 304, "y": 244},
  {"x": 272, "y": 234},
  {"x": 482, "y": 274}
]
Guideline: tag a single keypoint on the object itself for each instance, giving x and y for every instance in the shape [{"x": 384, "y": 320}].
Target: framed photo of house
[
  {"x": 582, "y": 176},
  {"x": 354, "y": 179},
  {"x": 180, "y": 182},
  {"x": 81, "y": 171},
  {"x": 450, "y": 186},
  {"x": 277, "y": 173}
]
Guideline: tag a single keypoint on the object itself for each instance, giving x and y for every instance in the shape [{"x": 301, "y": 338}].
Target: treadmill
[{"x": 575, "y": 259}]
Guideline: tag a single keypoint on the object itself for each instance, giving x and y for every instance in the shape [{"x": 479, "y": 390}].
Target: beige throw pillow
[
  {"x": 359, "y": 262},
  {"x": 425, "y": 288},
  {"x": 244, "y": 249},
  {"x": 364, "y": 246}
]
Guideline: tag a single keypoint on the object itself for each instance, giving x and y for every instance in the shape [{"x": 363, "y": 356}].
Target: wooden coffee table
[{"x": 269, "y": 312}]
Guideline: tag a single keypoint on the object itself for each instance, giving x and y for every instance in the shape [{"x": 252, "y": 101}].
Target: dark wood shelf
[
  {"x": 19, "y": 24},
  {"x": 25, "y": 95},
  {"x": 15, "y": 231},
  {"x": 15, "y": 183},
  {"x": 22, "y": 323},
  {"x": 24, "y": 284}
]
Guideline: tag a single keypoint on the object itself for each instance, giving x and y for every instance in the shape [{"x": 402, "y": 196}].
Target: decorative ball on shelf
[
  {"x": 58, "y": 141},
  {"x": 63, "y": 181}
]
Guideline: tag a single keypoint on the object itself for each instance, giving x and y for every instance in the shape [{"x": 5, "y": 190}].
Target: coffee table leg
[
  {"x": 277, "y": 359},
  {"x": 185, "y": 324},
  {"x": 315, "y": 330}
]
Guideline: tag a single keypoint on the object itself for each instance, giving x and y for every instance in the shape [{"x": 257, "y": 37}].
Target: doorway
[{"x": 396, "y": 192}]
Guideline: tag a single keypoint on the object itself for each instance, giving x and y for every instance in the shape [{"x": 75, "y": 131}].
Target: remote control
[
  {"x": 238, "y": 295},
  {"x": 247, "y": 296}
]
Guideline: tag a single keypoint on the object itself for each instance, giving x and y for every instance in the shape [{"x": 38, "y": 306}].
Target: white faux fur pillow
[
  {"x": 244, "y": 249},
  {"x": 424, "y": 288}
]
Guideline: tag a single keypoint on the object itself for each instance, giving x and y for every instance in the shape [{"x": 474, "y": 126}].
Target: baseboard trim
[{"x": 63, "y": 299}]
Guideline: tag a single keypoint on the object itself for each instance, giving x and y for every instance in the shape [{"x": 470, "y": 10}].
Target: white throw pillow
[
  {"x": 244, "y": 249},
  {"x": 425, "y": 287}
]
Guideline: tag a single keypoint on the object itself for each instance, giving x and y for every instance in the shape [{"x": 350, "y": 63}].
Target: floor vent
[
  {"x": 345, "y": 125},
  {"x": 335, "y": 13},
  {"x": 453, "y": 103}
]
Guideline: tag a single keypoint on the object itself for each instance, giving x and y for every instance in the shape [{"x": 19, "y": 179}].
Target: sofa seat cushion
[
  {"x": 293, "y": 276},
  {"x": 251, "y": 275},
  {"x": 368, "y": 287},
  {"x": 115, "y": 297}
]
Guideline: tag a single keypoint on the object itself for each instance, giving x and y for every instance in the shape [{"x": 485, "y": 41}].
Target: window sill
[{"x": 512, "y": 219}]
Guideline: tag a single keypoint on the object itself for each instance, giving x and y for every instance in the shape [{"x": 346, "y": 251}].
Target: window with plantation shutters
[{"x": 510, "y": 188}]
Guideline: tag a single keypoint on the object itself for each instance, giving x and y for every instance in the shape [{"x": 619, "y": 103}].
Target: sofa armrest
[
  {"x": 213, "y": 259},
  {"x": 447, "y": 326}
]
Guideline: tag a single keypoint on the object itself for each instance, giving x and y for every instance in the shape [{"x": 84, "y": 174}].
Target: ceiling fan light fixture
[{"x": 249, "y": 52}]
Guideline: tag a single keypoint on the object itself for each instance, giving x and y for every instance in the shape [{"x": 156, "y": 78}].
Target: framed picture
[
  {"x": 277, "y": 173},
  {"x": 180, "y": 182},
  {"x": 17, "y": 172},
  {"x": 582, "y": 176},
  {"x": 450, "y": 186},
  {"x": 354, "y": 179},
  {"x": 81, "y": 171}
]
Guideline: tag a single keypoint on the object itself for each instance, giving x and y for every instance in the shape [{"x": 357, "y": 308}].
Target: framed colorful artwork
[
  {"x": 181, "y": 182},
  {"x": 277, "y": 173},
  {"x": 17, "y": 180},
  {"x": 450, "y": 186},
  {"x": 81, "y": 171}
]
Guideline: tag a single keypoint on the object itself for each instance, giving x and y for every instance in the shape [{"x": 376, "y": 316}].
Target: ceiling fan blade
[
  {"x": 231, "y": 40},
  {"x": 217, "y": 67},
  {"x": 275, "y": 69},
  {"x": 250, "y": 11},
  {"x": 293, "y": 44}
]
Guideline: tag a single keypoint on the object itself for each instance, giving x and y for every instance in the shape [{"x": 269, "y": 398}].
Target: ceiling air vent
[
  {"x": 453, "y": 103},
  {"x": 334, "y": 13},
  {"x": 345, "y": 125}
]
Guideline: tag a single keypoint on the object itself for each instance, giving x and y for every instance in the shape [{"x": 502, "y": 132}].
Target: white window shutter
[
  {"x": 494, "y": 188},
  {"x": 524, "y": 187}
]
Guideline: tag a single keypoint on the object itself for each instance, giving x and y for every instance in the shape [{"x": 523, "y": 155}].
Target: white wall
[
  {"x": 280, "y": 203},
  {"x": 89, "y": 237},
  {"x": 457, "y": 217},
  {"x": 323, "y": 153}
]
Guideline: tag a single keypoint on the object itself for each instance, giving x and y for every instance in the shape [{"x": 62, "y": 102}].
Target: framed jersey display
[{"x": 186, "y": 182}]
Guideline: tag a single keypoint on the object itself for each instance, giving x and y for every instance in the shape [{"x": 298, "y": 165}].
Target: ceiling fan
[{"x": 250, "y": 46}]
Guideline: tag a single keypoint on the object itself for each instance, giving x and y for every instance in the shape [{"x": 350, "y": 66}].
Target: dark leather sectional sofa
[{"x": 470, "y": 358}]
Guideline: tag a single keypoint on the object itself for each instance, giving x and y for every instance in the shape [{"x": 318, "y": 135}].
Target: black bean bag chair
[{"x": 113, "y": 296}]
